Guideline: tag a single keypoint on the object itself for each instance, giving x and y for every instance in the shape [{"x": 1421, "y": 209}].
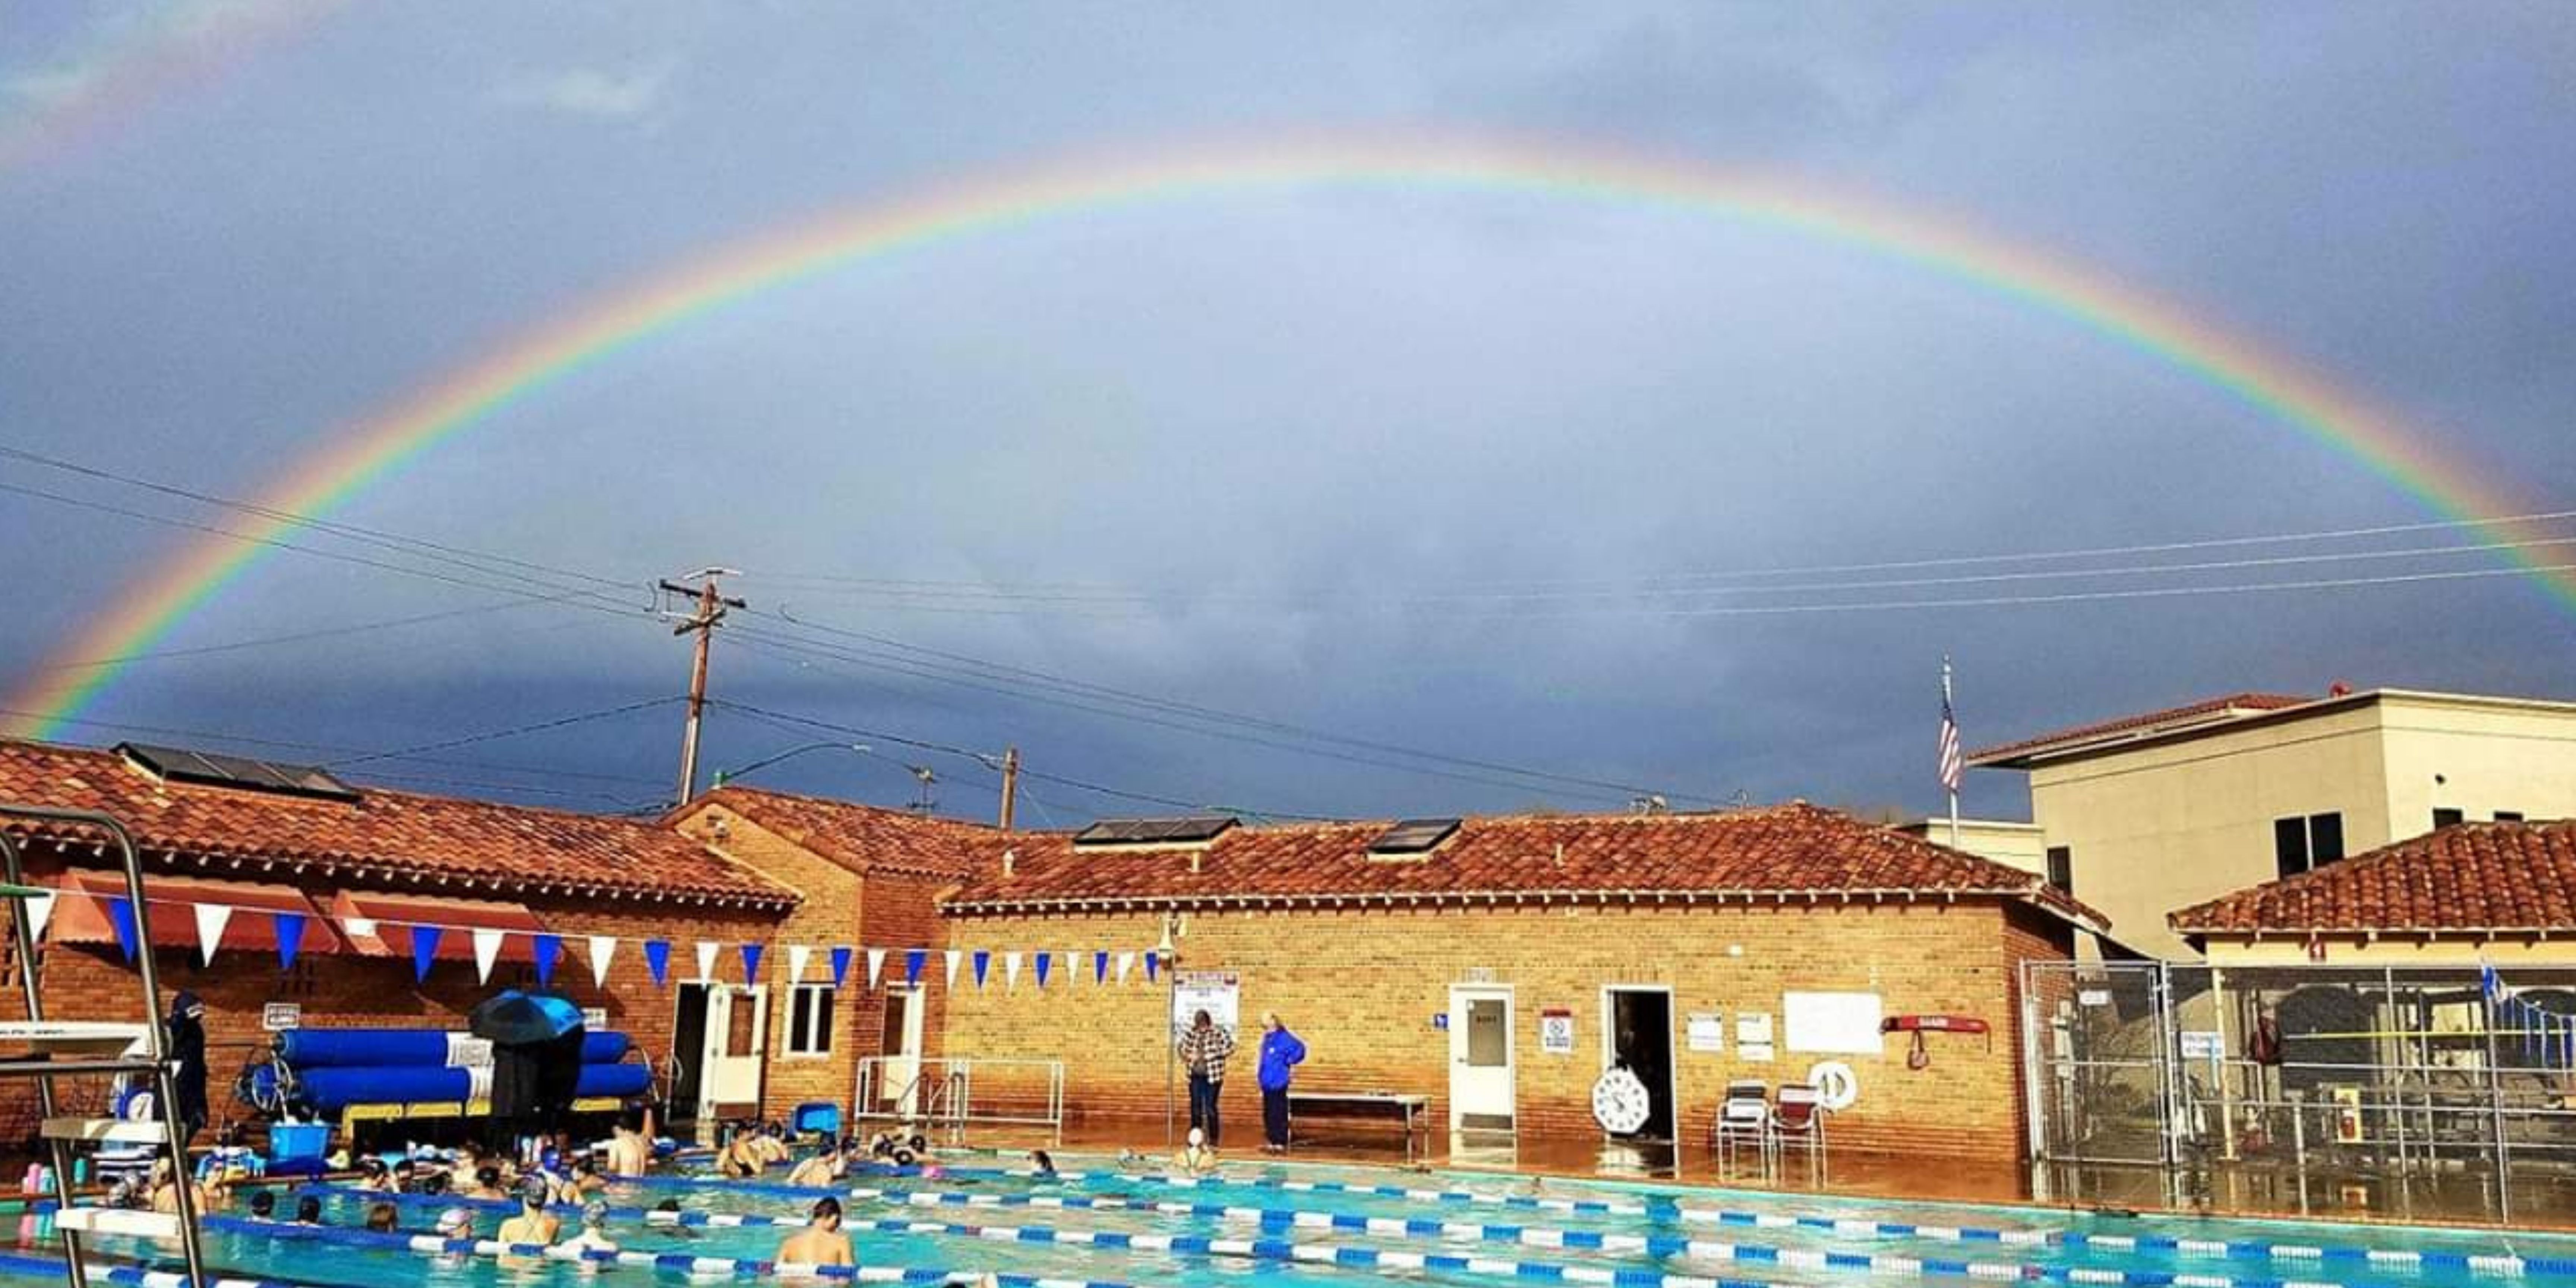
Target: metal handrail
[
  {"x": 950, "y": 1099},
  {"x": 165, "y": 1080}
]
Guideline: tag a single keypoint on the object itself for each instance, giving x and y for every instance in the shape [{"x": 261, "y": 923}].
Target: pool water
[{"x": 1293, "y": 1226}]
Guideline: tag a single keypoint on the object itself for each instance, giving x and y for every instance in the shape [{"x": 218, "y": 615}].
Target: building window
[
  {"x": 2061, "y": 868},
  {"x": 2508, "y": 816},
  {"x": 2443, "y": 818},
  {"x": 809, "y": 1020},
  {"x": 2304, "y": 844}
]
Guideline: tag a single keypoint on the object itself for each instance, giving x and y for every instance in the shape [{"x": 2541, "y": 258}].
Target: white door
[
  {"x": 1480, "y": 1059},
  {"x": 737, "y": 1036},
  {"x": 902, "y": 1050}
]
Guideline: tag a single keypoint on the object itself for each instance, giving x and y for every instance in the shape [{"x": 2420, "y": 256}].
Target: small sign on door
[
  {"x": 278, "y": 1017},
  {"x": 1556, "y": 1031}
]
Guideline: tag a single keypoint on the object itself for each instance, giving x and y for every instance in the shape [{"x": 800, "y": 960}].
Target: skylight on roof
[
  {"x": 210, "y": 769},
  {"x": 1413, "y": 836},
  {"x": 1154, "y": 831}
]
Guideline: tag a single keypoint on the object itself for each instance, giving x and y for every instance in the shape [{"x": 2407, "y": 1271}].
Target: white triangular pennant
[
  {"x": 954, "y": 955},
  {"x": 211, "y": 918},
  {"x": 40, "y": 909},
  {"x": 602, "y": 947},
  {"x": 797, "y": 956},
  {"x": 359, "y": 926},
  {"x": 487, "y": 950},
  {"x": 1011, "y": 970},
  {"x": 706, "y": 960},
  {"x": 876, "y": 965},
  {"x": 1126, "y": 963}
]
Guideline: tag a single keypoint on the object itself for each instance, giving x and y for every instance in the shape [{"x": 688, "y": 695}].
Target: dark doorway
[
  {"x": 688, "y": 1052},
  {"x": 1641, "y": 1029}
]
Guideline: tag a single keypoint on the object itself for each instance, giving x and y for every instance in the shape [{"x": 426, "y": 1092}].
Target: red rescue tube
[{"x": 1932, "y": 1024}]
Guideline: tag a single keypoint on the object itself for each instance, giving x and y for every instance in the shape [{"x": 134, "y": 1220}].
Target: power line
[
  {"x": 214, "y": 737},
  {"x": 293, "y": 637},
  {"x": 492, "y": 735}
]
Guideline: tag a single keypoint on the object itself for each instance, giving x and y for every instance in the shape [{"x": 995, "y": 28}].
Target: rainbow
[
  {"x": 377, "y": 446},
  {"x": 135, "y": 57}
]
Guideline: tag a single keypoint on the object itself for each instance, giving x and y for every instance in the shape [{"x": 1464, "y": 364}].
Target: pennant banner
[
  {"x": 912, "y": 965},
  {"x": 1041, "y": 964},
  {"x": 548, "y": 950},
  {"x": 602, "y": 947},
  {"x": 120, "y": 914},
  {"x": 290, "y": 937},
  {"x": 1126, "y": 963},
  {"x": 1100, "y": 968},
  {"x": 1152, "y": 960},
  {"x": 841, "y": 967},
  {"x": 40, "y": 910},
  {"x": 983, "y": 963},
  {"x": 954, "y": 956},
  {"x": 751, "y": 963},
  {"x": 797, "y": 956},
  {"x": 876, "y": 965},
  {"x": 707, "y": 961},
  {"x": 363, "y": 927},
  {"x": 657, "y": 958},
  {"x": 1011, "y": 969},
  {"x": 424, "y": 947},
  {"x": 211, "y": 920},
  {"x": 487, "y": 950}
]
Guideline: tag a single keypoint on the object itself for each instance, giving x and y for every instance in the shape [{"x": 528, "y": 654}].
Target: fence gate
[{"x": 2099, "y": 1054}]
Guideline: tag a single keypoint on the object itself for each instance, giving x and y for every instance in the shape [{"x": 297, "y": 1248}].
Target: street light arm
[{"x": 723, "y": 775}]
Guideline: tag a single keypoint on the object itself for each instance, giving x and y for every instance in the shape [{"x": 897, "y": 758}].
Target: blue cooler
[{"x": 288, "y": 1142}]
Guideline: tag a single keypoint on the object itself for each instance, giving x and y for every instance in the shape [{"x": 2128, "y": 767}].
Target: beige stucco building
[
  {"x": 2151, "y": 813},
  {"x": 2014, "y": 845}
]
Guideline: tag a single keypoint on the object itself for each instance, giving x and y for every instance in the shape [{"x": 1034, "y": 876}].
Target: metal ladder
[{"x": 114, "y": 1048}]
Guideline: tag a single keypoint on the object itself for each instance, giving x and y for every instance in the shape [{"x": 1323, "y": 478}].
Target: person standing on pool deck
[
  {"x": 1203, "y": 1052},
  {"x": 1281, "y": 1051}
]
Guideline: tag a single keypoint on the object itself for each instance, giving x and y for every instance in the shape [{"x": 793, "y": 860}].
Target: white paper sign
[
  {"x": 2200, "y": 1044},
  {"x": 1556, "y": 1032},
  {"x": 1217, "y": 992},
  {"x": 594, "y": 1017},
  {"x": 1833, "y": 1023},
  {"x": 1706, "y": 1031},
  {"x": 278, "y": 1017}
]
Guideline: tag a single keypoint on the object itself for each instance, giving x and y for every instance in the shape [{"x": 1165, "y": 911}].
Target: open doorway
[
  {"x": 688, "y": 1069},
  {"x": 1637, "y": 1033}
]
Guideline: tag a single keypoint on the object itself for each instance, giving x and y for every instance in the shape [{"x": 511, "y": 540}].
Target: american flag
[{"x": 1952, "y": 767}]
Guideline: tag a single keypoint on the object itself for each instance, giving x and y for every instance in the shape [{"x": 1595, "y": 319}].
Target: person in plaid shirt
[{"x": 1203, "y": 1052}]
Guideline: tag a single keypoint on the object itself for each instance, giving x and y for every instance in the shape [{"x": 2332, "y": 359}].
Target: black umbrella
[{"x": 513, "y": 1018}]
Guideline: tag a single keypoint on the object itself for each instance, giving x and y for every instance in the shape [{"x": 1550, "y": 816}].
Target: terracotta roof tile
[
  {"x": 2189, "y": 714},
  {"x": 862, "y": 838},
  {"x": 1789, "y": 850},
  {"x": 2467, "y": 877},
  {"x": 396, "y": 832}
]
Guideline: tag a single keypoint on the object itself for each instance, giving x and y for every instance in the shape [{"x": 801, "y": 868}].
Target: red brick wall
[
  {"x": 86, "y": 982},
  {"x": 1362, "y": 988}
]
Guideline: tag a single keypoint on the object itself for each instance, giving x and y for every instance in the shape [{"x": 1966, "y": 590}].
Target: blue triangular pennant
[
  {"x": 657, "y": 958},
  {"x": 1043, "y": 959},
  {"x": 1152, "y": 964},
  {"x": 1100, "y": 967},
  {"x": 912, "y": 960},
  {"x": 983, "y": 962},
  {"x": 549, "y": 949},
  {"x": 424, "y": 947},
  {"x": 751, "y": 963},
  {"x": 290, "y": 937},
  {"x": 120, "y": 913},
  {"x": 840, "y": 966}
]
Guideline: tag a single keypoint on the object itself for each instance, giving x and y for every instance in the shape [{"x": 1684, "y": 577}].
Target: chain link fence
[{"x": 2454, "y": 1076}]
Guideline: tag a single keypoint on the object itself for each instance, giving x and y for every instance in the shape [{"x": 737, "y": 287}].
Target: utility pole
[
  {"x": 1010, "y": 784},
  {"x": 711, "y": 608}
]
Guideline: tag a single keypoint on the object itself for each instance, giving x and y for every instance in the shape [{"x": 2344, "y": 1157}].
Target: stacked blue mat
[{"x": 337, "y": 1068}]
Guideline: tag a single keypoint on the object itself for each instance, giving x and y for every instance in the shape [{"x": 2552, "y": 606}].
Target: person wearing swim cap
[
  {"x": 534, "y": 1224},
  {"x": 821, "y": 1242},
  {"x": 593, "y": 1243},
  {"x": 455, "y": 1225}
]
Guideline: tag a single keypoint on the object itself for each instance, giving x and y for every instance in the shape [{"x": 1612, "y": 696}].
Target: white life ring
[
  {"x": 1835, "y": 1083},
  {"x": 1620, "y": 1103}
]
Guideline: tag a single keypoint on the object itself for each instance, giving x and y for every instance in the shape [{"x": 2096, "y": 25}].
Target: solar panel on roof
[
  {"x": 213, "y": 769},
  {"x": 1413, "y": 836},
  {"x": 1154, "y": 831}
]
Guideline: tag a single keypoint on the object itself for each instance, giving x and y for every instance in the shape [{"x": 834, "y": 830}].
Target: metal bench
[{"x": 1414, "y": 1111}]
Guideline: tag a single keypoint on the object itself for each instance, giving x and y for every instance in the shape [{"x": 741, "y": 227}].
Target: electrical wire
[
  {"x": 514, "y": 731},
  {"x": 218, "y": 738}
]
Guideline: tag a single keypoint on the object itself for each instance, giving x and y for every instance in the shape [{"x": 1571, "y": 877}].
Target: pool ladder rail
[{"x": 57, "y": 1048}]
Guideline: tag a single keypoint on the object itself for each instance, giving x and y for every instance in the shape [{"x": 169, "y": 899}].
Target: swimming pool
[{"x": 1294, "y": 1226}]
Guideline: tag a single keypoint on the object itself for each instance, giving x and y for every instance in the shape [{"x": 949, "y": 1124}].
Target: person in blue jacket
[{"x": 1280, "y": 1052}]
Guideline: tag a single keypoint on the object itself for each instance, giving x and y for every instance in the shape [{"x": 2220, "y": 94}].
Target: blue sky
[{"x": 1330, "y": 458}]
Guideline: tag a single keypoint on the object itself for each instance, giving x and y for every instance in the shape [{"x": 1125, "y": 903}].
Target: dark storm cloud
[{"x": 1317, "y": 425}]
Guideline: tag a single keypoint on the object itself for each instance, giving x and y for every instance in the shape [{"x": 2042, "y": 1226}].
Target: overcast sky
[{"x": 1413, "y": 467}]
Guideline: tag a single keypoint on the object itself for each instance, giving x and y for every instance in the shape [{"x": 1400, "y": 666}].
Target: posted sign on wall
[
  {"x": 278, "y": 1017},
  {"x": 1556, "y": 1031},
  {"x": 1217, "y": 992}
]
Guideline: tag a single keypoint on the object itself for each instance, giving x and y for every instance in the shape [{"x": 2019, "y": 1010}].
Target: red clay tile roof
[
  {"x": 2467, "y": 877},
  {"x": 862, "y": 838},
  {"x": 401, "y": 834},
  {"x": 1792, "y": 851},
  {"x": 2191, "y": 714}
]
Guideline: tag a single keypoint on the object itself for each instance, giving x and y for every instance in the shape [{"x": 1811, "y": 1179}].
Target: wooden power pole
[
  {"x": 1010, "y": 784},
  {"x": 711, "y": 610}
]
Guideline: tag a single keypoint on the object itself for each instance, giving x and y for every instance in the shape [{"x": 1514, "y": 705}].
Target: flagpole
[{"x": 1954, "y": 792}]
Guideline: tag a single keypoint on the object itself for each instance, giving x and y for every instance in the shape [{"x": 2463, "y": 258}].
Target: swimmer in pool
[
  {"x": 820, "y": 1243},
  {"x": 1197, "y": 1157}
]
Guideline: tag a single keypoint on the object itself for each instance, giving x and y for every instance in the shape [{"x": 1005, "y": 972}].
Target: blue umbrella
[{"x": 514, "y": 1018}]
